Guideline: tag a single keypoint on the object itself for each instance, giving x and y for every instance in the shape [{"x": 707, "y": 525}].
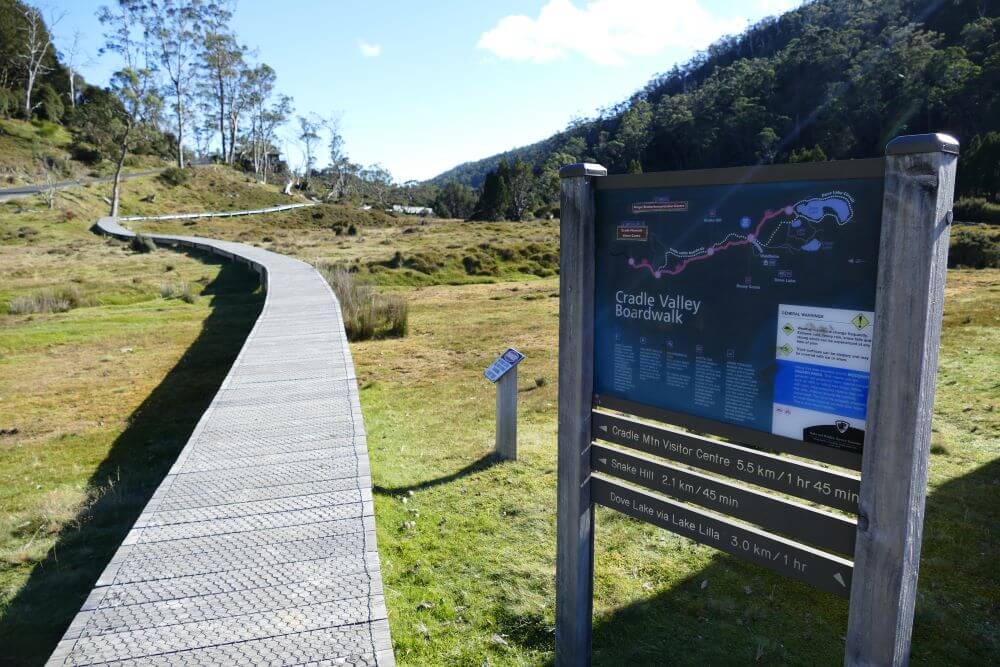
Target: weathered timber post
[
  {"x": 913, "y": 254},
  {"x": 575, "y": 517},
  {"x": 506, "y": 443}
]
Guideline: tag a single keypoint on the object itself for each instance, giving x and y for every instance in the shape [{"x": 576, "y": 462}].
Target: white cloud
[
  {"x": 369, "y": 50},
  {"x": 607, "y": 32}
]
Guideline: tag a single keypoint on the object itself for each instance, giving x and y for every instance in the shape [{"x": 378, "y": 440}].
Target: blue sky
[{"x": 424, "y": 85}]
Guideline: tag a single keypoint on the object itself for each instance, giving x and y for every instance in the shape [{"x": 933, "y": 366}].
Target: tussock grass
[
  {"x": 48, "y": 301},
  {"x": 180, "y": 291},
  {"x": 79, "y": 455},
  {"x": 367, "y": 313},
  {"x": 142, "y": 243}
]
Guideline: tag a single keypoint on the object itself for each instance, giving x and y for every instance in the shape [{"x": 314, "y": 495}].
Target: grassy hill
[{"x": 32, "y": 151}]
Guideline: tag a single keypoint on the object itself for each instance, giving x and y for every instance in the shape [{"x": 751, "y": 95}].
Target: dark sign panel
[
  {"x": 746, "y": 304},
  {"x": 814, "y": 527},
  {"x": 824, "y": 571},
  {"x": 503, "y": 363},
  {"x": 808, "y": 482}
]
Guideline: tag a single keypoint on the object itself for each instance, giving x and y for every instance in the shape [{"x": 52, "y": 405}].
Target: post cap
[
  {"x": 922, "y": 143},
  {"x": 582, "y": 169}
]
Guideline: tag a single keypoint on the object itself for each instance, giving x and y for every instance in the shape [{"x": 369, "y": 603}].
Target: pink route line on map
[{"x": 657, "y": 273}]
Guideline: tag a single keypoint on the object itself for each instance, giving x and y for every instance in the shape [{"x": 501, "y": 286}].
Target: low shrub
[
  {"x": 180, "y": 291},
  {"x": 977, "y": 209},
  {"x": 367, "y": 314},
  {"x": 88, "y": 154},
  {"x": 48, "y": 301},
  {"x": 424, "y": 263},
  {"x": 974, "y": 248},
  {"x": 174, "y": 176},
  {"x": 480, "y": 264},
  {"x": 421, "y": 262},
  {"x": 142, "y": 243}
]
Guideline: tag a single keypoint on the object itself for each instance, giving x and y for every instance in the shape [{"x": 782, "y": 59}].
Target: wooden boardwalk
[{"x": 259, "y": 545}]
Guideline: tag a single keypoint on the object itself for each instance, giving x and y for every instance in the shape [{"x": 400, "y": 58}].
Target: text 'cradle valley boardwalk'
[{"x": 259, "y": 545}]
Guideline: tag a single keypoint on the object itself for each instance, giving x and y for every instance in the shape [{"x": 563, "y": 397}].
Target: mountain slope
[{"x": 832, "y": 79}]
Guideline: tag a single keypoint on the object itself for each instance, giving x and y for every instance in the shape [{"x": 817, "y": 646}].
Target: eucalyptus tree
[
  {"x": 267, "y": 112},
  {"x": 341, "y": 169},
  {"x": 36, "y": 53},
  {"x": 71, "y": 56},
  {"x": 376, "y": 182},
  {"x": 225, "y": 77},
  {"x": 309, "y": 127},
  {"x": 132, "y": 85},
  {"x": 177, "y": 30}
]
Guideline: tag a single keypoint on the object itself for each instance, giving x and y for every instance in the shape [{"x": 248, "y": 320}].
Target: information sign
[
  {"x": 820, "y": 529},
  {"x": 794, "y": 560},
  {"x": 749, "y": 304},
  {"x": 504, "y": 363},
  {"x": 789, "y": 309},
  {"x": 809, "y": 482}
]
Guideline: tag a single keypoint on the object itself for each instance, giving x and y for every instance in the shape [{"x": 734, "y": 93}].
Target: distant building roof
[{"x": 412, "y": 210}]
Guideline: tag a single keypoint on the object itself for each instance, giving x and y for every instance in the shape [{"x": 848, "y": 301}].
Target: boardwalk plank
[{"x": 259, "y": 545}]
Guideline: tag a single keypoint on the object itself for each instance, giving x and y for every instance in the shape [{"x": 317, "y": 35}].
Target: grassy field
[
  {"x": 95, "y": 402},
  {"x": 472, "y": 581},
  {"x": 467, "y": 545}
]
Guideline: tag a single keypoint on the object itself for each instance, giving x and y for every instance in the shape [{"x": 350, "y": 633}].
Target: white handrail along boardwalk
[{"x": 259, "y": 545}]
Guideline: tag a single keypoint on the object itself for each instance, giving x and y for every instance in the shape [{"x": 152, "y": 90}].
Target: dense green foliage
[
  {"x": 834, "y": 79},
  {"x": 94, "y": 116},
  {"x": 975, "y": 247},
  {"x": 454, "y": 200},
  {"x": 13, "y": 73}
]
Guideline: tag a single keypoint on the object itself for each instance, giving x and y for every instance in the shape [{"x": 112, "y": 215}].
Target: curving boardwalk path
[{"x": 259, "y": 545}]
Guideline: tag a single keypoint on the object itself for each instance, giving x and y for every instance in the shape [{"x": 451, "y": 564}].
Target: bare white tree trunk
[
  {"x": 36, "y": 44},
  {"x": 116, "y": 184},
  {"x": 180, "y": 129}
]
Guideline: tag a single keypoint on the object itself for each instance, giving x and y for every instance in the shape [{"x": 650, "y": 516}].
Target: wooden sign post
[
  {"x": 913, "y": 262},
  {"x": 503, "y": 373},
  {"x": 575, "y": 511},
  {"x": 673, "y": 288}
]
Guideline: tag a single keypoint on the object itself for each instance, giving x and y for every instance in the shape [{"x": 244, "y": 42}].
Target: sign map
[
  {"x": 749, "y": 304},
  {"x": 503, "y": 363}
]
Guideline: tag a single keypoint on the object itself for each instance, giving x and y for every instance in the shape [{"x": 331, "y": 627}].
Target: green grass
[
  {"x": 99, "y": 400},
  {"x": 471, "y": 580},
  {"x": 409, "y": 252},
  {"x": 23, "y": 143},
  {"x": 208, "y": 188},
  {"x": 95, "y": 402}
]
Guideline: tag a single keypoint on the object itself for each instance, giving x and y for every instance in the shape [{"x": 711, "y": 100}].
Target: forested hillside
[
  {"x": 833, "y": 79},
  {"x": 182, "y": 81}
]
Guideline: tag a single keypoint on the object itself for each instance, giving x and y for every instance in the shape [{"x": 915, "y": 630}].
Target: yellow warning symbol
[
  {"x": 785, "y": 349},
  {"x": 788, "y": 329},
  {"x": 860, "y": 321}
]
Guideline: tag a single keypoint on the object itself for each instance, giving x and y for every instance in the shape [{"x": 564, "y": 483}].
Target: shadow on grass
[
  {"x": 140, "y": 457},
  {"x": 484, "y": 463},
  {"x": 734, "y": 613},
  {"x": 746, "y": 615}
]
